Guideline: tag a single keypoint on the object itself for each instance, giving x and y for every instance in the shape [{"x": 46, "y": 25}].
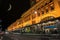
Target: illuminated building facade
[{"x": 42, "y": 11}]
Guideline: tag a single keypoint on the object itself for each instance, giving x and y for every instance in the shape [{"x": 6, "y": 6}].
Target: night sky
[{"x": 18, "y": 7}]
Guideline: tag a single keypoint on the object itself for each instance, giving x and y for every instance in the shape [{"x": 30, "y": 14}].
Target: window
[
  {"x": 38, "y": 8},
  {"x": 42, "y": 12},
  {"x": 27, "y": 19},
  {"x": 42, "y": 6},
  {"x": 46, "y": 10},
  {"x": 33, "y": 22},
  {"x": 50, "y": 1},
  {"x": 38, "y": 12},
  {"x": 45, "y": 4},
  {"x": 52, "y": 7},
  {"x": 59, "y": 2},
  {"x": 33, "y": 16}
]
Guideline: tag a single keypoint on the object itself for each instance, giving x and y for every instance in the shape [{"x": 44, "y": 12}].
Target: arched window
[
  {"x": 47, "y": 9},
  {"x": 38, "y": 13},
  {"x": 52, "y": 7},
  {"x": 42, "y": 12}
]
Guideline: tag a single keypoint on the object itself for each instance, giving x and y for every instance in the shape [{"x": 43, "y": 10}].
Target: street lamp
[{"x": 35, "y": 12}]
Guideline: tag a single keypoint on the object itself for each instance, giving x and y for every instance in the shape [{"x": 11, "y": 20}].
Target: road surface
[{"x": 30, "y": 37}]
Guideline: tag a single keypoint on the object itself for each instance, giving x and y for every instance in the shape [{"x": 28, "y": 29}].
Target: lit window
[{"x": 42, "y": 6}]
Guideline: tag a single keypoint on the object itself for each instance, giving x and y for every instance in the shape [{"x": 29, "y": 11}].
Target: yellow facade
[{"x": 41, "y": 10}]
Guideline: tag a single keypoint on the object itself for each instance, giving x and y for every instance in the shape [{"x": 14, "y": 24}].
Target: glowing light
[
  {"x": 55, "y": 28},
  {"x": 38, "y": 24},
  {"x": 57, "y": 20},
  {"x": 43, "y": 23},
  {"x": 35, "y": 12}
]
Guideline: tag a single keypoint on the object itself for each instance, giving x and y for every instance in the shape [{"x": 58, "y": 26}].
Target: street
[{"x": 31, "y": 37}]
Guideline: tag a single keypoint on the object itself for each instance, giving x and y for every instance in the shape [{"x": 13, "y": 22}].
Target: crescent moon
[{"x": 9, "y": 7}]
